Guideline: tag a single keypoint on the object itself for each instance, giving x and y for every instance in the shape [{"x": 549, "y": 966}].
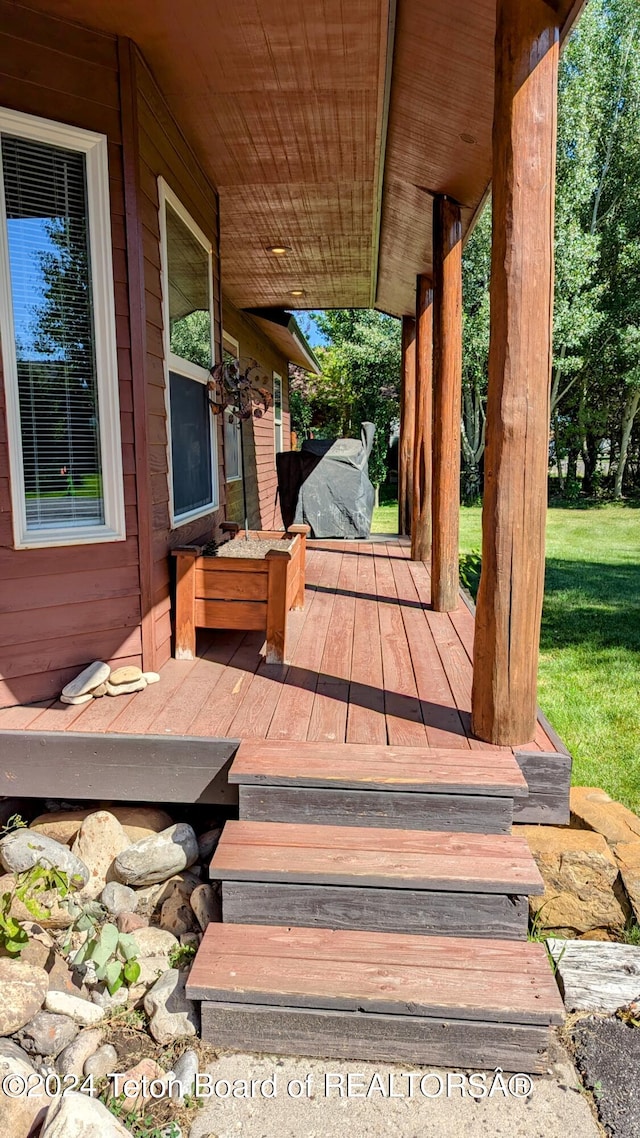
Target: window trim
[
  {"x": 235, "y": 348},
  {"x": 166, "y": 196},
  {"x": 95, "y": 148},
  {"x": 277, "y": 422}
]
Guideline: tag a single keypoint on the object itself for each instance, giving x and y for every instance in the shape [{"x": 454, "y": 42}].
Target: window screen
[
  {"x": 49, "y": 259},
  {"x": 190, "y": 444}
]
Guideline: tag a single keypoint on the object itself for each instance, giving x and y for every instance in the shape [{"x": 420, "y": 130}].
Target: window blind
[{"x": 50, "y": 269}]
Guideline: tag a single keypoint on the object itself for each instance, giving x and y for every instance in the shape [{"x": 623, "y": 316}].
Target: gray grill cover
[{"x": 336, "y": 497}]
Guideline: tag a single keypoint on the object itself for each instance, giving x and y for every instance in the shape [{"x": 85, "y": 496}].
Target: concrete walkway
[{"x": 555, "y": 1108}]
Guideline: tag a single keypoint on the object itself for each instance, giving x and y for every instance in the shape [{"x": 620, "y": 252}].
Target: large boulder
[
  {"x": 628, "y": 859},
  {"x": 99, "y": 841},
  {"x": 158, "y": 857},
  {"x": 23, "y": 988},
  {"x": 582, "y": 892},
  {"x": 24, "y": 849},
  {"x": 593, "y": 809},
  {"x": 20, "y": 1116},
  {"x": 80, "y": 1116},
  {"x": 171, "y": 1014}
]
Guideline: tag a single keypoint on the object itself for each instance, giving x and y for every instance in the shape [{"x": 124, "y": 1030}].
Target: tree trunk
[
  {"x": 423, "y": 438},
  {"x": 629, "y": 414},
  {"x": 406, "y": 441}
]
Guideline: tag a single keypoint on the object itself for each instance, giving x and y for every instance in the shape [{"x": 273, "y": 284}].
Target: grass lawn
[{"x": 589, "y": 677}]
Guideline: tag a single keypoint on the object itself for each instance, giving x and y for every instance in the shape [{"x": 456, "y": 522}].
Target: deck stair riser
[
  {"x": 359, "y": 995},
  {"x": 351, "y": 784},
  {"x": 383, "y": 880}
]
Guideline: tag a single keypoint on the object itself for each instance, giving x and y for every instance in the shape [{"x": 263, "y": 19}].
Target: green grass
[{"x": 589, "y": 676}]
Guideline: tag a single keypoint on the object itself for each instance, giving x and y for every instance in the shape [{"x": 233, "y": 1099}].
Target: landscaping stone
[
  {"x": 102, "y": 1062},
  {"x": 145, "y": 1072},
  {"x": 75, "y": 700},
  {"x": 99, "y": 841},
  {"x": 103, "y": 998},
  {"x": 137, "y": 822},
  {"x": 207, "y": 843},
  {"x": 62, "y": 978},
  {"x": 47, "y": 1034},
  {"x": 171, "y": 1014},
  {"x": 152, "y": 897},
  {"x": 607, "y": 1054},
  {"x": 71, "y": 1061},
  {"x": 118, "y": 898},
  {"x": 23, "y": 849},
  {"x": 20, "y": 1116},
  {"x": 80, "y": 1011},
  {"x": 58, "y": 915},
  {"x": 151, "y": 677},
  {"x": 80, "y": 1116},
  {"x": 126, "y": 689},
  {"x": 23, "y": 987},
  {"x": 98, "y": 692},
  {"x": 156, "y": 858},
  {"x": 206, "y": 905},
  {"x": 595, "y": 810},
  {"x": 129, "y": 674},
  {"x": 579, "y": 872},
  {"x": 9, "y": 1049},
  {"x": 131, "y": 922},
  {"x": 628, "y": 858},
  {"x": 177, "y": 916},
  {"x": 185, "y": 1070},
  {"x": 155, "y": 946},
  {"x": 88, "y": 679}
]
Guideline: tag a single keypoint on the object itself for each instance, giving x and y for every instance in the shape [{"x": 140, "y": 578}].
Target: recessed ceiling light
[
  {"x": 297, "y": 292},
  {"x": 279, "y": 250}
]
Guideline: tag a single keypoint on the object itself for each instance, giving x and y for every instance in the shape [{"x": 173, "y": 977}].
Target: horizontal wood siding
[
  {"x": 62, "y": 608},
  {"x": 164, "y": 152},
  {"x": 258, "y": 436}
]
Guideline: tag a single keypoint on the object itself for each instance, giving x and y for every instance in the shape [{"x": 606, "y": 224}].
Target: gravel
[
  {"x": 241, "y": 547},
  {"x": 607, "y": 1054}
]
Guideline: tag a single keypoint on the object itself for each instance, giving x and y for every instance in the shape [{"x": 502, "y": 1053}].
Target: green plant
[
  {"x": 140, "y": 1126},
  {"x": 112, "y": 954},
  {"x": 631, "y": 934},
  {"x": 181, "y": 955},
  {"x": 470, "y": 568},
  {"x": 15, "y": 822},
  {"x": 28, "y": 888}
]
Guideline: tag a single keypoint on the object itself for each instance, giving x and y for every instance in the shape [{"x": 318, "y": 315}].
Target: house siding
[
  {"x": 61, "y": 608},
  {"x": 259, "y": 434}
]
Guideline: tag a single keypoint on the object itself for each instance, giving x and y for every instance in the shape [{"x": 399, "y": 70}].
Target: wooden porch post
[
  {"x": 423, "y": 439},
  {"x": 447, "y": 399},
  {"x": 515, "y": 494},
  {"x": 407, "y": 425}
]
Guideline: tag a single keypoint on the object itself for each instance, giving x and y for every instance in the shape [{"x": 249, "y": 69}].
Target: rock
[
  {"x": 118, "y": 898},
  {"x": 137, "y": 822},
  {"x": 593, "y": 809},
  {"x": 579, "y": 873},
  {"x": 47, "y": 1034},
  {"x": 22, "y": 1115},
  {"x": 171, "y": 1014},
  {"x": 76, "y": 699},
  {"x": 154, "y": 942},
  {"x": 153, "y": 897},
  {"x": 62, "y": 978},
  {"x": 9, "y": 1049},
  {"x": 145, "y": 1072},
  {"x": 99, "y": 841},
  {"x": 80, "y": 1116},
  {"x": 57, "y": 917},
  {"x": 154, "y": 948},
  {"x": 71, "y": 1061},
  {"x": 102, "y": 1062},
  {"x": 23, "y": 849},
  {"x": 206, "y": 905},
  {"x": 628, "y": 858},
  {"x": 103, "y": 998},
  {"x": 23, "y": 987},
  {"x": 185, "y": 1070},
  {"x": 126, "y": 689},
  {"x": 131, "y": 922},
  {"x": 80, "y": 1011},
  {"x": 151, "y": 677},
  {"x": 98, "y": 692},
  {"x": 177, "y": 916},
  {"x": 86, "y": 681},
  {"x": 596, "y": 977},
  {"x": 191, "y": 940},
  {"x": 207, "y": 843},
  {"x": 129, "y": 674},
  {"x": 158, "y": 857}
]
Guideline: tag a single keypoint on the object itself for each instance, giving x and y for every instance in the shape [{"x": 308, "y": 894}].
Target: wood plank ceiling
[{"x": 294, "y": 111}]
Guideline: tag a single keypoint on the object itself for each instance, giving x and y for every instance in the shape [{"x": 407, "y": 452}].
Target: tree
[{"x": 476, "y": 272}]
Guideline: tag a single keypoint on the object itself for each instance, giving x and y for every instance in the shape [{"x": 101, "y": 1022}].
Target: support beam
[
  {"x": 447, "y": 398},
  {"x": 515, "y": 495},
  {"x": 423, "y": 440},
  {"x": 407, "y": 425}
]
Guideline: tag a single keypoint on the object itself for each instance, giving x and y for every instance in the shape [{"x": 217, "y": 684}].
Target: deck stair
[
  {"x": 374, "y": 906},
  {"x": 354, "y": 784}
]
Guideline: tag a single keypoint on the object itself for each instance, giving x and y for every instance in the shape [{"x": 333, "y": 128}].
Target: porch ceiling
[{"x": 294, "y": 111}]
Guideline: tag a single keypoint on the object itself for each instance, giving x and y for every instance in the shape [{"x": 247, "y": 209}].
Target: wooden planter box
[{"x": 240, "y": 592}]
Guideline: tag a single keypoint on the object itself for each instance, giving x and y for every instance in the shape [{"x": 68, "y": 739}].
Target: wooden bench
[{"x": 389, "y": 998}]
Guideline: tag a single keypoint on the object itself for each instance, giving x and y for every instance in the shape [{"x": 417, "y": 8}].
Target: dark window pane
[
  {"x": 189, "y": 293},
  {"x": 190, "y": 444}
]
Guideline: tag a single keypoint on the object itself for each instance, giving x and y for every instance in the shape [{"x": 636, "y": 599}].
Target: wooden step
[
  {"x": 389, "y": 997},
  {"x": 354, "y": 784},
  {"x": 385, "y": 880}
]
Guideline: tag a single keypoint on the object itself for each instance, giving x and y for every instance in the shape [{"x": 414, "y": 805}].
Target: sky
[{"x": 309, "y": 327}]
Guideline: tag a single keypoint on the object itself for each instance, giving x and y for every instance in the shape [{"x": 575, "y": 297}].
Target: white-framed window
[
  {"x": 58, "y": 332},
  {"x": 187, "y": 276},
  {"x": 277, "y": 412},
  {"x": 232, "y": 425}
]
